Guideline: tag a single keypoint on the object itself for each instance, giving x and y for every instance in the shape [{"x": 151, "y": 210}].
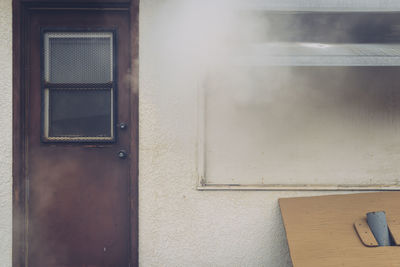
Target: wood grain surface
[{"x": 321, "y": 233}]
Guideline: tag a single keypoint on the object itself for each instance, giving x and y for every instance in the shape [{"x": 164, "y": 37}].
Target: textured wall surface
[
  {"x": 180, "y": 226},
  {"x": 5, "y": 132}
]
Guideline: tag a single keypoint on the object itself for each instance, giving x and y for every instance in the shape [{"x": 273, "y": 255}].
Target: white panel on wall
[{"x": 325, "y": 126}]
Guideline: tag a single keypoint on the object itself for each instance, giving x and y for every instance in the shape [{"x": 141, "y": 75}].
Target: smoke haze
[{"x": 283, "y": 124}]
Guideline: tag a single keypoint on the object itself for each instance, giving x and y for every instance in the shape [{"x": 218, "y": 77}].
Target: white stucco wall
[
  {"x": 179, "y": 226},
  {"x": 5, "y": 132}
]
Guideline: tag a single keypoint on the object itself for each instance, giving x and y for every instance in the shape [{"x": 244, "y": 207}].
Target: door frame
[{"x": 22, "y": 9}]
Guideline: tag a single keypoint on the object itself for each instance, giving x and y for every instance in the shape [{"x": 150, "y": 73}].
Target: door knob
[{"x": 122, "y": 154}]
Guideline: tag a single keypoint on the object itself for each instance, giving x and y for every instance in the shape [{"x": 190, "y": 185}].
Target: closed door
[{"x": 78, "y": 139}]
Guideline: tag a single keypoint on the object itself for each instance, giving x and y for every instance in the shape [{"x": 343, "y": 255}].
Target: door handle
[{"x": 122, "y": 154}]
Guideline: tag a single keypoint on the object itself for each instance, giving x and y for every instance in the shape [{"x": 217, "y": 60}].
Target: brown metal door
[{"x": 78, "y": 139}]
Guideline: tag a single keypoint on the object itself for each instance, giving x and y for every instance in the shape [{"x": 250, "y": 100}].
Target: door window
[{"x": 78, "y": 86}]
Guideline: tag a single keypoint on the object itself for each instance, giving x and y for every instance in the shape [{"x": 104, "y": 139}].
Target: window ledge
[{"x": 317, "y": 54}]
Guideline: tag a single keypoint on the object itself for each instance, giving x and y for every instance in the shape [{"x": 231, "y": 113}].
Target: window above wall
[
  {"x": 320, "y": 5},
  {"x": 309, "y": 101},
  {"x": 322, "y": 38}
]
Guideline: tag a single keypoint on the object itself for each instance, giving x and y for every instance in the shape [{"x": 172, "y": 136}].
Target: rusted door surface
[{"x": 78, "y": 139}]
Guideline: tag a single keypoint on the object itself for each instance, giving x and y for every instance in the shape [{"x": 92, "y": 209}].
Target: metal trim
[{"x": 316, "y": 187}]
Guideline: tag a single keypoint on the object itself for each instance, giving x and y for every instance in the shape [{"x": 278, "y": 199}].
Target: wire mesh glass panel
[
  {"x": 78, "y": 57},
  {"x": 79, "y": 114},
  {"x": 78, "y": 86}
]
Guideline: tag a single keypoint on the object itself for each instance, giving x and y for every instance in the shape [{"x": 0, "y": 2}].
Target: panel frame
[{"x": 202, "y": 183}]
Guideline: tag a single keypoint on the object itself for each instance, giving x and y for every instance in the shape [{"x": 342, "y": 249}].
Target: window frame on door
[{"x": 114, "y": 87}]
